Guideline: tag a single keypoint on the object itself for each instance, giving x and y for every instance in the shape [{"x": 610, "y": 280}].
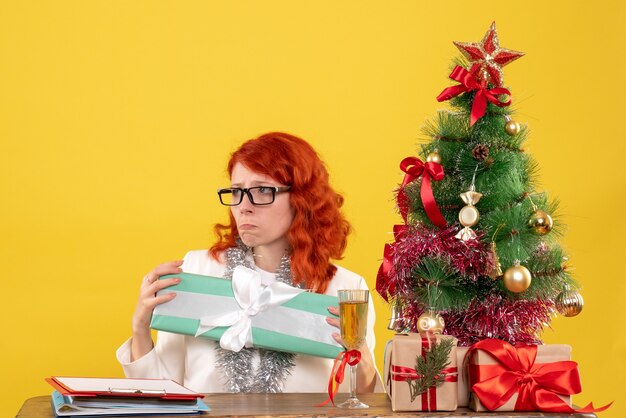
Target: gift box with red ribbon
[
  {"x": 503, "y": 377},
  {"x": 463, "y": 388},
  {"x": 407, "y": 387}
]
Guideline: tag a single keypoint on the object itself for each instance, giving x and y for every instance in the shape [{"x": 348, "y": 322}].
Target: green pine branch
[
  {"x": 438, "y": 286},
  {"x": 429, "y": 368}
]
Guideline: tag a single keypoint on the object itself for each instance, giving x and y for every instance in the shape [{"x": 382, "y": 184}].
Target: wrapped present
[
  {"x": 463, "y": 388},
  {"x": 523, "y": 378},
  {"x": 243, "y": 313},
  {"x": 421, "y": 373}
]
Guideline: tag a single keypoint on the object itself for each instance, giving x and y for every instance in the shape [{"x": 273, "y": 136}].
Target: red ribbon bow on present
[
  {"x": 469, "y": 82},
  {"x": 414, "y": 167},
  {"x": 347, "y": 357},
  {"x": 537, "y": 385}
]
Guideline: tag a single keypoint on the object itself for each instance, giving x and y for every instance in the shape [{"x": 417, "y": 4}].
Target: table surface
[{"x": 291, "y": 405}]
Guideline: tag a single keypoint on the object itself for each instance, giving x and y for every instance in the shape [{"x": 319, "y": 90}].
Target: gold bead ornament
[
  {"x": 540, "y": 221},
  {"x": 569, "y": 302},
  {"x": 430, "y": 321},
  {"x": 511, "y": 127},
  {"x": 517, "y": 278},
  {"x": 497, "y": 267},
  {"x": 469, "y": 215}
]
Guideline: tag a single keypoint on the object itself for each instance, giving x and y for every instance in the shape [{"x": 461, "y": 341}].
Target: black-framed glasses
[{"x": 261, "y": 195}]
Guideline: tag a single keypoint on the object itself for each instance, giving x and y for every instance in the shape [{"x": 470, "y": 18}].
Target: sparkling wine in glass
[{"x": 353, "y": 324}]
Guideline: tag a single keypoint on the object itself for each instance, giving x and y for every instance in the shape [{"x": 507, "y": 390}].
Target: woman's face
[{"x": 265, "y": 225}]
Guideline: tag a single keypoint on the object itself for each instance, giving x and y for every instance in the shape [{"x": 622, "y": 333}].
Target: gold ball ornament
[
  {"x": 541, "y": 222},
  {"x": 517, "y": 278},
  {"x": 434, "y": 157},
  {"x": 430, "y": 321},
  {"x": 512, "y": 127},
  {"x": 569, "y": 303}
]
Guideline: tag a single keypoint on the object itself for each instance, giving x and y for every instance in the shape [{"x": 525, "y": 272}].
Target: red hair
[{"x": 319, "y": 230}]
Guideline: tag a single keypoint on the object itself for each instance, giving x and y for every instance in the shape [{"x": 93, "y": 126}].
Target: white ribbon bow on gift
[{"x": 253, "y": 299}]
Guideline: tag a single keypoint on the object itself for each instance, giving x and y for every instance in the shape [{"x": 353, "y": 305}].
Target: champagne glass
[{"x": 353, "y": 324}]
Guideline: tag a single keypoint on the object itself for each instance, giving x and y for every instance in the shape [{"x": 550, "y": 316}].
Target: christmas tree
[{"x": 477, "y": 255}]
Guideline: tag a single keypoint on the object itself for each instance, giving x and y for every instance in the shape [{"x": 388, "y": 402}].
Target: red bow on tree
[
  {"x": 384, "y": 285},
  {"x": 414, "y": 167},
  {"x": 469, "y": 82}
]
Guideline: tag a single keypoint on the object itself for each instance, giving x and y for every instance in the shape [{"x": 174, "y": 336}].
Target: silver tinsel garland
[{"x": 274, "y": 366}]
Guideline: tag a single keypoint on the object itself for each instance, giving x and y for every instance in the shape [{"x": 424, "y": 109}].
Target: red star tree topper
[{"x": 488, "y": 56}]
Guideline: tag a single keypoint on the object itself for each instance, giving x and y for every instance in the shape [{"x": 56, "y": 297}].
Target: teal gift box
[{"x": 297, "y": 325}]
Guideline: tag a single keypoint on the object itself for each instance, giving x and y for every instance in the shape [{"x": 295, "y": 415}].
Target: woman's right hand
[{"x": 148, "y": 300}]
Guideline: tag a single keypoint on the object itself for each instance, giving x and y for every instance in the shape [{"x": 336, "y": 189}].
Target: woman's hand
[
  {"x": 366, "y": 372},
  {"x": 142, "y": 340}
]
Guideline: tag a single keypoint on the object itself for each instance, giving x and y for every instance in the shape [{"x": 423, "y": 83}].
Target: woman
[{"x": 285, "y": 222}]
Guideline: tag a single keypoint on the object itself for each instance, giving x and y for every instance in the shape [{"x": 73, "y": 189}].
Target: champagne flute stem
[{"x": 353, "y": 381}]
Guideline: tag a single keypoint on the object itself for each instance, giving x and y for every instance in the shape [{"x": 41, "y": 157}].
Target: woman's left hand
[
  {"x": 366, "y": 372},
  {"x": 334, "y": 321}
]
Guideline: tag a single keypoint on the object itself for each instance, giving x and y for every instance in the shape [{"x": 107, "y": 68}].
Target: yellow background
[{"x": 117, "y": 118}]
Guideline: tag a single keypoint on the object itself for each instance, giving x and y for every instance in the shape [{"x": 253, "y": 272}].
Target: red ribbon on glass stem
[
  {"x": 537, "y": 385},
  {"x": 347, "y": 357},
  {"x": 469, "y": 82}
]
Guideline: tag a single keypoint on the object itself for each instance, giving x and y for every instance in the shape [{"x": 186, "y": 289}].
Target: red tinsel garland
[
  {"x": 470, "y": 259},
  {"x": 491, "y": 316},
  {"x": 495, "y": 316},
  {"x": 514, "y": 321}
]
